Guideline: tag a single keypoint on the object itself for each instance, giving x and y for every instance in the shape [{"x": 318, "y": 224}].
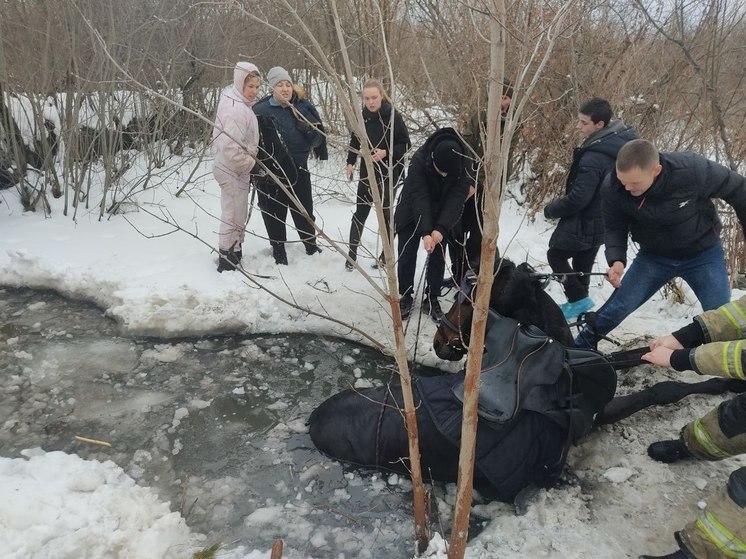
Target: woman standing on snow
[
  {"x": 236, "y": 139},
  {"x": 387, "y": 153},
  {"x": 299, "y": 126}
]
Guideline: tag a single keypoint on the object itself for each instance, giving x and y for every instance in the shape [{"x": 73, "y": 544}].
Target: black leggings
[
  {"x": 575, "y": 287},
  {"x": 274, "y": 204},
  {"x": 409, "y": 244},
  {"x": 364, "y": 205}
]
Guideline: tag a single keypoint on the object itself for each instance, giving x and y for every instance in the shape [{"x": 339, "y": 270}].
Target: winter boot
[
  {"x": 431, "y": 307},
  {"x": 353, "y": 256},
  {"x": 405, "y": 306},
  {"x": 227, "y": 261},
  {"x": 669, "y": 451},
  {"x": 681, "y": 553},
  {"x": 380, "y": 263},
  {"x": 675, "y": 555},
  {"x": 571, "y": 310},
  {"x": 279, "y": 254},
  {"x": 312, "y": 248}
]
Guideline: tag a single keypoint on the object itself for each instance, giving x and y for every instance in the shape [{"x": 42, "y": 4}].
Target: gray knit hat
[{"x": 276, "y": 75}]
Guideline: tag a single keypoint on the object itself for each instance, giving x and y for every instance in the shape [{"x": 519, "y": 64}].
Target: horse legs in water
[{"x": 666, "y": 392}]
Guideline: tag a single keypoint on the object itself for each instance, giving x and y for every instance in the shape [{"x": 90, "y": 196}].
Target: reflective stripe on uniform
[
  {"x": 706, "y": 441},
  {"x": 728, "y": 544},
  {"x": 736, "y": 317},
  {"x": 732, "y": 359}
]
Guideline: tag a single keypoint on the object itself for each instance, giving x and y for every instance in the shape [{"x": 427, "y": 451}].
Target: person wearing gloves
[
  {"x": 299, "y": 126},
  {"x": 388, "y": 141},
  {"x": 713, "y": 344},
  {"x": 580, "y": 231},
  {"x": 664, "y": 201},
  {"x": 430, "y": 205},
  {"x": 236, "y": 138}
]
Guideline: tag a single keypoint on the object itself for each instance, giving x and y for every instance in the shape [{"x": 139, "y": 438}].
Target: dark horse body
[{"x": 366, "y": 427}]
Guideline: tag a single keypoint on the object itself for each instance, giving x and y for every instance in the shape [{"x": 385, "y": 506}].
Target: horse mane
[{"x": 518, "y": 295}]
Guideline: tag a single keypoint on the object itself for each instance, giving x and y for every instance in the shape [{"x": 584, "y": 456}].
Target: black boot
[
  {"x": 405, "y": 306},
  {"x": 675, "y": 555},
  {"x": 312, "y": 249},
  {"x": 227, "y": 261},
  {"x": 431, "y": 307},
  {"x": 669, "y": 451},
  {"x": 682, "y": 553},
  {"x": 353, "y": 256},
  {"x": 380, "y": 263},
  {"x": 279, "y": 254}
]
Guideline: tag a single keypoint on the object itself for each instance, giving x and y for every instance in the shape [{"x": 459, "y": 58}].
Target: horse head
[{"x": 515, "y": 294}]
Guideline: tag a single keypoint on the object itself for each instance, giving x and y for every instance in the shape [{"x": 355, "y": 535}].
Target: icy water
[{"x": 216, "y": 425}]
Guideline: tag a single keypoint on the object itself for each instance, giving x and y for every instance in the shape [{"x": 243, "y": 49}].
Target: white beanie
[{"x": 277, "y": 75}]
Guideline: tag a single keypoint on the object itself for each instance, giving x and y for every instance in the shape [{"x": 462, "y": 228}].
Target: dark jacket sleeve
[
  {"x": 582, "y": 190},
  {"x": 727, "y": 185},
  {"x": 401, "y": 138},
  {"x": 453, "y": 204},
  {"x": 312, "y": 134},
  {"x": 616, "y": 225},
  {"x": 354, "y": 149},
  {"x": 420, "y": 195}
]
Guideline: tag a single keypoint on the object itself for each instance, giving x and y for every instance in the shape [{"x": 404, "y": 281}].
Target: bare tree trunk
[{"x": 492, "y": 195}]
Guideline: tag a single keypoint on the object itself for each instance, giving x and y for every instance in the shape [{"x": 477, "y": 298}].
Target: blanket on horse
[{"x": 533, "y": 402}]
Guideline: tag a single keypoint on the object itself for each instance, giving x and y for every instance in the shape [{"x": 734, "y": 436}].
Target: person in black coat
[
  {"x": 664, "y": 201},
  {"x": 430, "y": 205},
  {"x": 387, "y": 152},
  {"x": 299, "y": 126},
  {"x": 465, "y": 243},
  {"x": 580, "y": 231}
]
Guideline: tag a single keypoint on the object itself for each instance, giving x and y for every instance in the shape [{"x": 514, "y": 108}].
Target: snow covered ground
[{"x": 159, "y": 281}]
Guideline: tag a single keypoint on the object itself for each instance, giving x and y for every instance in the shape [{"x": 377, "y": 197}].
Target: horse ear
[{"x": 525, "y": 267}]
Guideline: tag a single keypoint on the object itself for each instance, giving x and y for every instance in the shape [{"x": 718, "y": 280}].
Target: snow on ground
[{"x": 159, "y": 281}]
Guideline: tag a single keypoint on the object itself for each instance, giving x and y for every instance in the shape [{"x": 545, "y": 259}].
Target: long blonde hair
[{"x": 379, "y": 86}]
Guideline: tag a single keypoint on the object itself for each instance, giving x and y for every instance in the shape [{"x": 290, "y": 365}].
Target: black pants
[
  {"x": 364, "y": 205},
  {"x": 465, "y": 241},
  {"x": 408, "y": 246},
  {"x": 274, "y": 204},
  {"x": 575, "y": 287}
]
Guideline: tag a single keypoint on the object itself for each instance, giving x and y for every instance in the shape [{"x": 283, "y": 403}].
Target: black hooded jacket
[
  {"x": 579, "y": 210},
  {"x": 378, "y": 129},
  {"x": 675, "y": 217},
  {"x": 434, "y": 201}
]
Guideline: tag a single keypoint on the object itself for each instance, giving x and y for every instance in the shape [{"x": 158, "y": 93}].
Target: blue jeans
[{"x": 705, "y": 273}]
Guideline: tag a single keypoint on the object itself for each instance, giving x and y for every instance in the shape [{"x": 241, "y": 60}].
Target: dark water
[{"x": 216, "y": 425}]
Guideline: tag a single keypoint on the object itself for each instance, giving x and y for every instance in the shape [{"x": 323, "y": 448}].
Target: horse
[
  {"x": 515, "y": 293},
  {"x": 526, "y": 447}
]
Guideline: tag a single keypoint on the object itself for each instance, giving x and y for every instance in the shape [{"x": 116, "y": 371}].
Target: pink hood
[{"x": 240, "y": 72}]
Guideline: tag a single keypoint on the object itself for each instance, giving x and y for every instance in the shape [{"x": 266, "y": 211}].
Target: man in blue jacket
[
  {"x": 664, "y": 201},
  {"x": 580, "y": 231}
]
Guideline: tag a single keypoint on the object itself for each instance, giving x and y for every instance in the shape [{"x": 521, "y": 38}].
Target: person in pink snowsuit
[{"x": 236, "y": 140}]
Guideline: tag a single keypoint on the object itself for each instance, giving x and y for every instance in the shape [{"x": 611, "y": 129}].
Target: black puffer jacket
[
  {"x": 579, "y": 210},
  {"x": 436, "y": 202},
  {"x": 378, "y": 128},
  {"x": 675, "y": 217}
]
